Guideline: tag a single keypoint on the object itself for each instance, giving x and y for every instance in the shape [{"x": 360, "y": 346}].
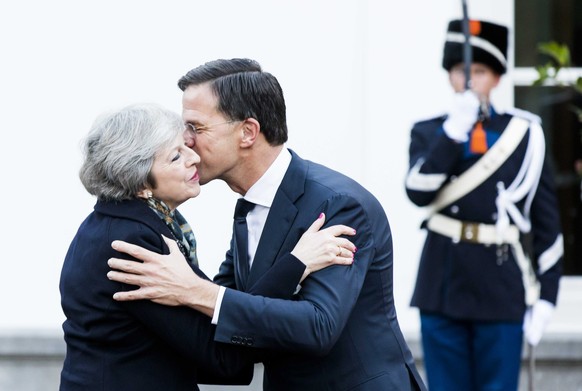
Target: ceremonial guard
[{"x": 490, "y": 267}]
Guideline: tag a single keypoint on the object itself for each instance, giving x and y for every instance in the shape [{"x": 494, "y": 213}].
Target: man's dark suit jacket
[
  {"x": 341, "y": 333},
  {"x": 140, "y": 345}
]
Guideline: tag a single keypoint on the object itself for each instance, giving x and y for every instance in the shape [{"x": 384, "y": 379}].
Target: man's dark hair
[{"x": 244, "y": 91}]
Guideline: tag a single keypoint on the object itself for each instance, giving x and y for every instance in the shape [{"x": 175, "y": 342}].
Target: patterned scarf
[{"x": 179, "y": 227}]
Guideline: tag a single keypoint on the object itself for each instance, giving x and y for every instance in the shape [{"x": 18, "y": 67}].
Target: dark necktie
[{"x": 241, "y": 234}]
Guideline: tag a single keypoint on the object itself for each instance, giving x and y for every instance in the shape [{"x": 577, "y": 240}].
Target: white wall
[{"x": 356, "y": 74}]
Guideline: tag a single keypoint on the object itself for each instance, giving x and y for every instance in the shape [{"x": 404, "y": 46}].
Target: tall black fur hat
[{"x": 488, "y": 41}]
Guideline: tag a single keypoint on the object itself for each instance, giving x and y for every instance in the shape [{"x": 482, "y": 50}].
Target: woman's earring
[{"x": 149, "y": 194}]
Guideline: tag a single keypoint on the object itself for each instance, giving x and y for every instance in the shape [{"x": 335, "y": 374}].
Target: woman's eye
[{"x": 176, "y": 157}]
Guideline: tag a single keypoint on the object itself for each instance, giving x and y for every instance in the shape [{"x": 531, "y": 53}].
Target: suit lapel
[{"x": 280, "y": 219}]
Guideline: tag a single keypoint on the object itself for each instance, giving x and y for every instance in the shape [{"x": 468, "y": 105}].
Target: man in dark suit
[{"x": 341, "y": 331}]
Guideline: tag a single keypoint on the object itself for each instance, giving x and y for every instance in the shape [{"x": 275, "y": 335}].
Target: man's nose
[{"x": 189, "y": 139}]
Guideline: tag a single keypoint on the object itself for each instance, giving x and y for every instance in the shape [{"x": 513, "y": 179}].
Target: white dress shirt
[{"x": 262, "y": 194}]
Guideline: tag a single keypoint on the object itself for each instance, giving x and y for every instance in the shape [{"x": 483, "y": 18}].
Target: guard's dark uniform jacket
[{"x": 469, "y": 280}]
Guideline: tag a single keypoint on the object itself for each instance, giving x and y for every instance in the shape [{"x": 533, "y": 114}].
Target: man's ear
[{"x": 251, "y": 128}]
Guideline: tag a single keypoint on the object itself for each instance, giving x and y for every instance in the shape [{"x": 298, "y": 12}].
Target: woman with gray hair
[{"x": 138, "y": 167}]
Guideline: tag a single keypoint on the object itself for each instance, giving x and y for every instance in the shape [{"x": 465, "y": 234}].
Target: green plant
[{"x": 548, "y": 73}]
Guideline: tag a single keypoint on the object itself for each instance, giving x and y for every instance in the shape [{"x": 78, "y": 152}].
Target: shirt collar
[{"x": 264, "y": 190}]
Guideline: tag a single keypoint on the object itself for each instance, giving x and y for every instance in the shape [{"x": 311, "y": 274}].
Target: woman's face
[
  {"x": 483, "y": 79},
  {"x": 176, "y": 174}
]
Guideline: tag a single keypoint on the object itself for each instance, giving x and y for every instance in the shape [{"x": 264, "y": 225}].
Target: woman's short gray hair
[{"x": 120, "y": 148}]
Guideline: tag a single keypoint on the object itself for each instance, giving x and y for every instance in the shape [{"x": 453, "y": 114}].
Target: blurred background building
[{"x": 356, "y": 75}]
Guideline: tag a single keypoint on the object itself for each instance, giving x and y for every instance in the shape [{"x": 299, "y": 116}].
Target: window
[{"x": 539, "y": 21}]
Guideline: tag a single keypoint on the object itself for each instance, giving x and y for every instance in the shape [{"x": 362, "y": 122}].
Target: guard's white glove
[
  {"x": 536, "y": 319},
  {"x": 462, "y": 116}
]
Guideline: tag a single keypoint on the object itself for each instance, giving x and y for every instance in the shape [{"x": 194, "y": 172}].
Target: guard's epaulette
[{"x": 524, "y": 114}]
